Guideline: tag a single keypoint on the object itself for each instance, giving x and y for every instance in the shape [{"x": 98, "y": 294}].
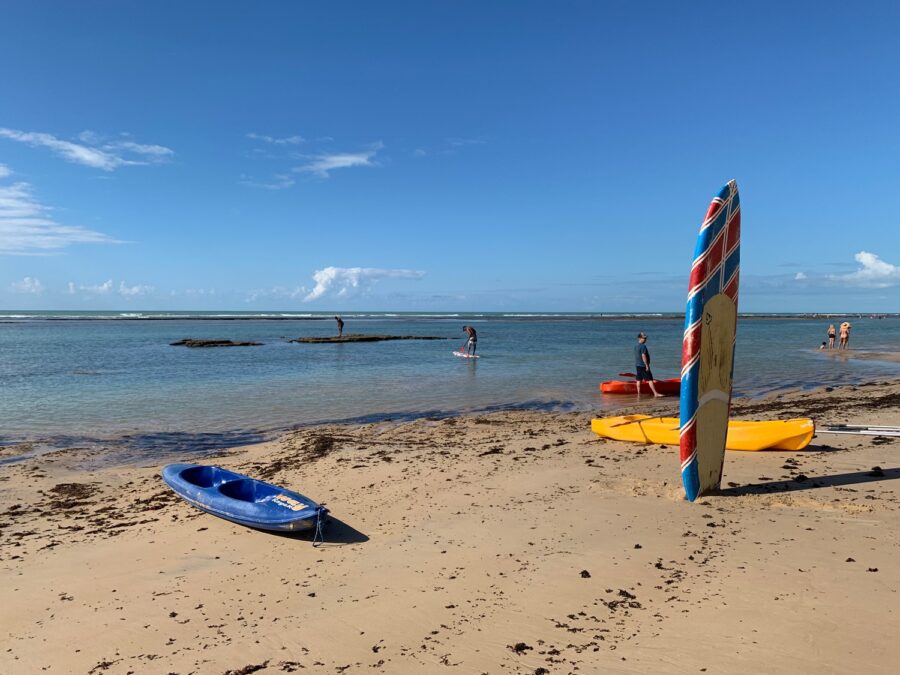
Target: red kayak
[{"x": 670, "y": 387}]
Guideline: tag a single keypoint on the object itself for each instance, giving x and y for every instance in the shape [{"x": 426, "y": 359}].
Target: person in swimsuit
[
  {"x": 472, "y": 342},
  {"x": 845, "y": 336},
  {"x": 831, "y": 336},
  {"x": 642, "y": 365},
  {"x": 340, "y": 324}
]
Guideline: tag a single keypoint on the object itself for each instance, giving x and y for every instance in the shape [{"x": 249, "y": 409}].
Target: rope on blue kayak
[{"x": 319, "y": 536}]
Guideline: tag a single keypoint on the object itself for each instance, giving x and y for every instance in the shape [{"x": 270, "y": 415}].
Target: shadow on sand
[
  {"x": 809, "y": 483},
  {"x": 337, "y": 533}
]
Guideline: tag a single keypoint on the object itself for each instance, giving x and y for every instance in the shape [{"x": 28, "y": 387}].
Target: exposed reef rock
[
  {"x": 364, "y": 338},
  {"x": 188, "y": 342}
]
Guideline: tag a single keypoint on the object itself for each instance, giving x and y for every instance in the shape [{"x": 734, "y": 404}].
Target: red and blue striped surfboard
[{"x": 707, "y": 352}]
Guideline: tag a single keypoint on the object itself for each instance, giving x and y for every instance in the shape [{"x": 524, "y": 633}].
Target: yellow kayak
[{"x": 793, "y": 434}]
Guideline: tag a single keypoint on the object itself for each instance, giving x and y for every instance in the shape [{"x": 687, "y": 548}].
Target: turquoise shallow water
[{"x": 112, "y": 380}]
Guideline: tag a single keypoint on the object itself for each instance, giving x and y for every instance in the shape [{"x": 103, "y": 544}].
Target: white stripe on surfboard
[{"x": 713, "y": 395}]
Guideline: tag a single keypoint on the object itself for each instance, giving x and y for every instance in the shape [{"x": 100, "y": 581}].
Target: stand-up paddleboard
[
  {"x": 861, "y": 430},
  {"x": 463, "y": 355},
  {"x": 707, "y": 353}
]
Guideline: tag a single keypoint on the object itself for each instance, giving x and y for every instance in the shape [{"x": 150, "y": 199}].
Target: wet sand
[
  {"x": 502, "y": 543},
  {"x": 893, "y": 357}
]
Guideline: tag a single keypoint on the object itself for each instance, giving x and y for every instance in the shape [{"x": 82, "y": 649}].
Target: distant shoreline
[{"x": 13, "y": 317}]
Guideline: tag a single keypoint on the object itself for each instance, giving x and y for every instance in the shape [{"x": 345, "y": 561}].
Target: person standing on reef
[
  {"x": 340, "y": 323},
  {"x": 845, "y": 336},
  {"x": 642, "y": 365},
  {"x": 472, "y": 342},
  {"x": 831, "y": 336}
]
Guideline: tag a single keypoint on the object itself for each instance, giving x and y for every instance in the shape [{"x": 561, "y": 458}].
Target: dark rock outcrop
[
  {"x": 364, "y": 338},
  {"x": 188, "y": 342}
]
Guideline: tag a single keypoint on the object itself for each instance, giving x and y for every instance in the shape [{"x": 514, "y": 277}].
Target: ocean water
[{"x": 112, "y": 380}]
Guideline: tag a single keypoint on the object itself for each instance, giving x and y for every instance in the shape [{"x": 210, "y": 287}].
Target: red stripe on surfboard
[
  {"x": 714, "y": 207},
  {"x": 732, "y": 287},
  {"x": 734, "y": 231},
  {"x": 688, "y": 440},
  {"x": 691, "y": 343},
  {"x": 716, "y": 252}
]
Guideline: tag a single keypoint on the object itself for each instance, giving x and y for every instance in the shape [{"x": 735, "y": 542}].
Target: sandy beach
[{"x": 514, "y": 542}]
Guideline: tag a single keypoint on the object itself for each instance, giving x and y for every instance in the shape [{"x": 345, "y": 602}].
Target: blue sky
[{"x": 444, "y": 155}]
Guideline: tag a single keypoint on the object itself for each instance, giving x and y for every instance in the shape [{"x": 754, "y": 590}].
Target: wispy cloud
[
  {"x": 273, "y": 140},
  {"x": 279, "y": 181},
  {"x": 321, "y": 165},
  {"x": 462, "y": 142},
  {"x": 5, "y": 171},
  {"x": 97, "y": 289},
  {"x": 28, "y": 285},
  {"x": 93, "y": 150},
  {"x": 277, "y": 292},
  {"x": 800, "y": 276},
  {"x": 342, "y": 282},
  {"x": 109, "y": 288},
  {"x": 26, "y": 227},
  {"x": 872, "y": 273},
  {"x": 194, "y": 292},
  {"x": 132, "y": 291}
]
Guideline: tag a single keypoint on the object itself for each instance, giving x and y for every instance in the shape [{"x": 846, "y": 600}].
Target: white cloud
[
  {"x": 149, "y": 151},
  {"x": 279, "y": 181},
  {"x": 800, "y": 276},
  {"x": 26, "y": 227},
  {"x": 287, "y": 140},
  {"x": 28, "y": 285},
  {"x": 99, "y": 289},
  {"x": 873, "y": 273},
  {"x": 277, "y": 292},
  {"x": 131, "y": 291},
  {"x": 92, "y": 151},
  {"x": 5, "y": 171},
  {"x": 321, "y": 165},
  {"x": 462, "y": 142},
  {"x": 108, "y": 288},
  {"x": 343, "y": 282}
]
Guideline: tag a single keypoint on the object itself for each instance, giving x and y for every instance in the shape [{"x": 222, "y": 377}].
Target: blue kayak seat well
[
  {"x": 205, "y": 476},
  {"x": 248, "y": 490}
]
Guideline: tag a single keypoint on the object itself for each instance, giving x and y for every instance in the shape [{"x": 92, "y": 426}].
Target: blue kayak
[{"x": 243, "y": 500}]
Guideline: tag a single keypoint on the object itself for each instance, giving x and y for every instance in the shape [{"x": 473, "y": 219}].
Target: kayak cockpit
[{"x": 206, "y": 476}]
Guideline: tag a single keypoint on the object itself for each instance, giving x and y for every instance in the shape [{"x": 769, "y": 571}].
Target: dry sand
[{"x": 503, "y": 543}]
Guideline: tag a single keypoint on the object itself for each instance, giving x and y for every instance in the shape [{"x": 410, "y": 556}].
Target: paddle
[{"x": 627, "y": 375}]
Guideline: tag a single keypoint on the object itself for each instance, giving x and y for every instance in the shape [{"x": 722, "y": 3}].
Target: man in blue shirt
[{"x": 642, "y": 365}]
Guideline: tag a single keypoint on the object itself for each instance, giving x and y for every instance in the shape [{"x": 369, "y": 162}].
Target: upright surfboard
[{"x": 707, "y": 352}]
